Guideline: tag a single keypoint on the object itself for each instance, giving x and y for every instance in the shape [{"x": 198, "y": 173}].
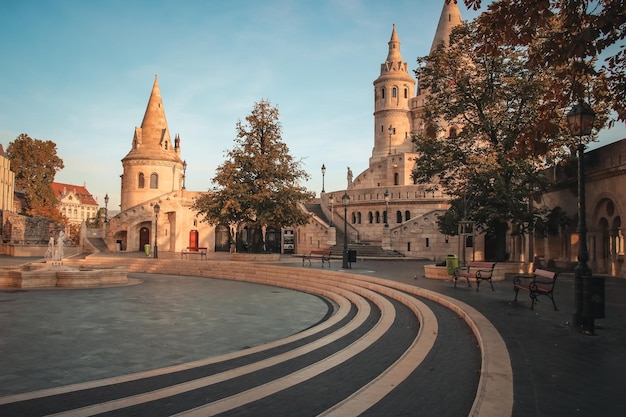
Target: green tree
[
  {"x": 567, "y": 35},
  {"x": 35, "y": 163},
  {"x": 258, "y": 183},
  {"x": 493, "y": 121}
]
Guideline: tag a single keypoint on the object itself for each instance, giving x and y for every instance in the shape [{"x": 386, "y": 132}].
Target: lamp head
[
  {"x": 345, "y": 199},
  {"x": 157, "y": 208},
  {"x": 323, "y": 169},
  {"x": 580, "y": 119}
]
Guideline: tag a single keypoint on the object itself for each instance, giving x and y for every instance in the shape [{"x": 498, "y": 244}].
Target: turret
[
  {"x": 392, "y": 92},
  {"x": 153, "y": 166}
]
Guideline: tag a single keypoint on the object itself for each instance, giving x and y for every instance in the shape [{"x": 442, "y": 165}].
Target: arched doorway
[
  {"x": 144, "y": 237},
  {"x": 222, "y": 239},
  {"x": 272, "y": 240}
]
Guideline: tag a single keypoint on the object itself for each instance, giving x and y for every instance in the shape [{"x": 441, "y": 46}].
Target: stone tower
[
  {"x": 449, "y": 18},
  {"x": 392, "y": 91},
  {"x": 153, "y": 166}
]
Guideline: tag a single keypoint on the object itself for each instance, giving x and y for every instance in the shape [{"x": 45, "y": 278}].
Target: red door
[{"x": 193, "y": 240}]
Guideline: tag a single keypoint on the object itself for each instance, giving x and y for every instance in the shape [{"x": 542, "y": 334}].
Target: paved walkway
[{"x": 52, "y": 338}]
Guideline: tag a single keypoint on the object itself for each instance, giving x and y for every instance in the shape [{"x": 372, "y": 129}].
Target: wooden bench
[
  {"x": 193, "y": 251},
  {"x": 475, "y": 271},
  {"x": 324, "y": 255},
  {"x": 541, "y": 282}
]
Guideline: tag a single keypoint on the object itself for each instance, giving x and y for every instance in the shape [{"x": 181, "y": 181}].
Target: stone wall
[{"x": 24, "y": 230}]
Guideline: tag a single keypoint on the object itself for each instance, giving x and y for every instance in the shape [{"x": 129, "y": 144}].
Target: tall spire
[
  {"x": 450, "y": 17},
  {"x": 394, "y": 54},
  {"x": 155, "y": 132}
]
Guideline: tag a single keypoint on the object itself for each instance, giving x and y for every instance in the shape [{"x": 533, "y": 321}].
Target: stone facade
[
  {"x": 411, "y": 210},
  {"x": 7, "y": 184},
  {"x": 605, "y": 183}
]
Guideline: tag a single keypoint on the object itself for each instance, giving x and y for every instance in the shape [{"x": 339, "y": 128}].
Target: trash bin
[
  {"x": 146, "y": 249},
  {"x": 593, "y": 297},
  {"x": 351, "y": 256},
  {"x": 452, "y": 263}
]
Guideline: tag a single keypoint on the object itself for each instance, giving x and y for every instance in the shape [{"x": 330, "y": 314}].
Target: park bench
[
  {"x": 193, "y": 251},
  {"x": 475, "y": 271},
  {"x": 324, "y": 255},
  {"x": 541, "y": 282}
]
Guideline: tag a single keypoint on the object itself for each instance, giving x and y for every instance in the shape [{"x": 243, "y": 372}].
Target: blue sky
[{"x": 80, "y": 72}]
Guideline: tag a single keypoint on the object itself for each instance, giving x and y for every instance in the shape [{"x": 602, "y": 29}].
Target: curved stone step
[{"x": 397, "y": 305}]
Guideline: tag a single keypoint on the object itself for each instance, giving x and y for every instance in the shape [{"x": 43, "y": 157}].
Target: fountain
[{"x": 53, "y": 273}]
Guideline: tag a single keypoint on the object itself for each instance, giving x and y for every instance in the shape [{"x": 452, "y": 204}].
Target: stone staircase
[
  {"x": 98, "y": 243},
  {"x": 363, "y": 250}
]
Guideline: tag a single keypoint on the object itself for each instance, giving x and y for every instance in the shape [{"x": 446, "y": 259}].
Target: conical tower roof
[
  {"x": 152, "y": 139},
  {"x": 394, "y": 54},
  {"x": 154, "y": 124},
  {"x": 450, "y": 17}
]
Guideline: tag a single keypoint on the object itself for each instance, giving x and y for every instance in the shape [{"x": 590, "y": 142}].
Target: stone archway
[{"x": 608, "y": 243}]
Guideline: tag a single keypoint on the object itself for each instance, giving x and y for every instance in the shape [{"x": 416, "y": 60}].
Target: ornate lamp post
[
  {"x": 580, "y": 120},
  {"x": 184, "y": 173},
  {"x": 106, "y": 207},
  {"x": 323, "y": 174},
  {"x": 157, "y": 208},
  {"x": 386, "y": 208},
  {"x": 346, "y": 201}
]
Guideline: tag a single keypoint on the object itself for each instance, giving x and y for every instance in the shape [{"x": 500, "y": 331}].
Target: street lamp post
[
  {"x": 580, "y": 120},
  {"x": 184, "y": 173},
  {"x": 106, "y": 207},
  {"x": 323, "y": 174},
  {"x": 157, "y": 208},
  {"x": 345, "y": 200},
  {"x": 386, "y": 208}
]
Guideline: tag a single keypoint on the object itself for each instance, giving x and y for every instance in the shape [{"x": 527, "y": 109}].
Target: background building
[
  {"x": 7, "y": 184},
  {"x": 75, "y": 202}
]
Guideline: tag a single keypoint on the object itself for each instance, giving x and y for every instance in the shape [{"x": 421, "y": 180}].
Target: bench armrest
[{"x": 487, "y": 273}]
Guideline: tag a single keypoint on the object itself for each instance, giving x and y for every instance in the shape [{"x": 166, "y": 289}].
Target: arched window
[
  {"x": 371, "y": 217},
  {"x": 141, "y": 181},
  {"x": 396, "y": 179},
  {"x": 398, "y": 216},
  {"x": 382, "y": 92},
  {"x": 406, "y": 93},
  {"x": 394, "y": 92},
  {"x": 407, "y": 216},
  {"x": 453, "y": 132},
  {"x": 358, "y": 217},
  {"x": 353, "y": 218},
  {"x": 378, "y": 217},
  {"x": 154, "y": 180}
]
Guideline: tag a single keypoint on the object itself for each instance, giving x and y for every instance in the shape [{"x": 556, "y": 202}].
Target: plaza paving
[{"x": 53, "y": 338}]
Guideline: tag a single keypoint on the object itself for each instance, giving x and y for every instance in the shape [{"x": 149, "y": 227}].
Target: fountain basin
[{"x": 48, "y": 276}]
